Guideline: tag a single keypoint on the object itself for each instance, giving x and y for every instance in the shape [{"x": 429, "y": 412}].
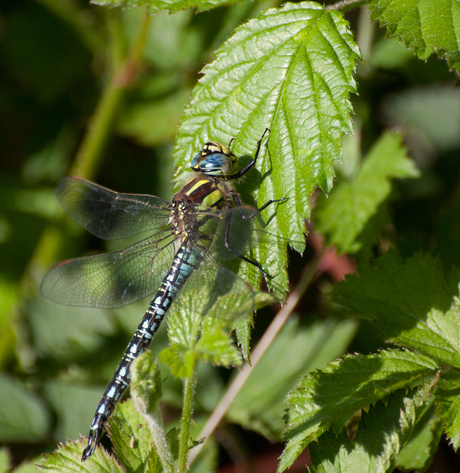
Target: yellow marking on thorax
[
  {"x": 212, "y": 198},
  {"x": 198, "y": 184}
]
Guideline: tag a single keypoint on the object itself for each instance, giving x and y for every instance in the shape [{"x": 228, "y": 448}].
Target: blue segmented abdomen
[{"x": 185, "y": 261}]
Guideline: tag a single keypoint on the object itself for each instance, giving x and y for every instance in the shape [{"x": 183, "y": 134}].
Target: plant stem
[
  {"x": 346, "y": 5},
  {"x": 189, "y": 388},
  {"x": 264, "y": 343}
]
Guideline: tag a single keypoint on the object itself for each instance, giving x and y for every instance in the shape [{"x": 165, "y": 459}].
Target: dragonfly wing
[
  {"x": 238, "y": 229},
  {"x": 111, "y": 280},
  {"x": 108, "y": 214}
]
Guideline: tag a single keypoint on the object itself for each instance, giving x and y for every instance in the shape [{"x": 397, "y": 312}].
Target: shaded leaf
[
  {"x": 411, "y": 302},
  {"x": 23, "y": 416},
  {"x": 75, "y": 406},
  {"x": 146, "y": 391},
  {"x": 346, "y": 213},
  {"x": 172, "y": 6},
  {"x": 131, "y": 438},
  {"x": 4, "y": 460},
  {"x": 381, "y": 436},
  {"x": 448, "y": 400},
  {"x": 418, "y": 452},
  {"x": 153, "y": 122}
]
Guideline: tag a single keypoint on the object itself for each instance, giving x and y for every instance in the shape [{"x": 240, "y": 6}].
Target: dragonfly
[{"x": 205, "y": 222}]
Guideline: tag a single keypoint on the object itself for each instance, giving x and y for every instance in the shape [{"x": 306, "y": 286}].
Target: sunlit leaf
[
  {"x": 425, "y": 25},
  {"x": 289, "y": 70},
  {"x": 326, "y": 399},
  {"x": 67, "y": 459}
]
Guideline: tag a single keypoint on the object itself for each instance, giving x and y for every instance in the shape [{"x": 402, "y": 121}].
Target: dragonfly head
[{"x": 214, "y": 159}]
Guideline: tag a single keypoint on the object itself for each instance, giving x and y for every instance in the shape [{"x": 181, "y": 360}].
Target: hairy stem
[{"x": 189, "y": 389}]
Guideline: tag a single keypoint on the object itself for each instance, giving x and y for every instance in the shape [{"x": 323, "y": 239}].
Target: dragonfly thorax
[{"x": 204, "y": 190}]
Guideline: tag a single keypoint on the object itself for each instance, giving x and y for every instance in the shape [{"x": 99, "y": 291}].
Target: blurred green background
[{"x": 99, "y": 92}]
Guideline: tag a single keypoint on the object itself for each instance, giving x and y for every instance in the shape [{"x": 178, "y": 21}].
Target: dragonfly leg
[
  {"x": 239, "y": 203},
  {"x": 237, "y": 253},
  {"x": 248, "y": 166}
]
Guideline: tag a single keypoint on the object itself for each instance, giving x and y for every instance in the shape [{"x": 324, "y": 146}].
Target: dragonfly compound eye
[{"x": 214, "y": 160}]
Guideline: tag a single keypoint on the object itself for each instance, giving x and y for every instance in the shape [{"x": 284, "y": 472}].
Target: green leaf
[
  {"x": 289, "y": 70},
  {"x": 344, "y": 216},
  {"x": 260, "y": 403},
  {"x": 411, "y": 302},
  {"x": 179, "y": 360},
  {"x": 424, "y": 25},
  {"x": 328, "y": 398},
  {"x": 67, "y": 459},
  {"x": 146, "y": 391},
  {"x": 418, "y": 452},
  {"x": 216, "y": 346},
  {"x": 448, "y": 402},
  {"x": 429, "y": 116},
  {"x": 23, "y": 416},
  {"x": 381, "y": 436},
  {"x": 196, "y": 337},
  {"x": 67, "y": 331},
  {"x": 132, "y": 440}
]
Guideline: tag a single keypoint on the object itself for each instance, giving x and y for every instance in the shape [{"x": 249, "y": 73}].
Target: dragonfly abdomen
[{"x": 184, "y": 263}]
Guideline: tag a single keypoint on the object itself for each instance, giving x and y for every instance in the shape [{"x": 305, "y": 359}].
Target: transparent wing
[
  {"x": 213, "y": 287},
  {"x": 111, "y": 280},
  {"x": 120, "y": 278},
  {"x": 108, "y": 214}
]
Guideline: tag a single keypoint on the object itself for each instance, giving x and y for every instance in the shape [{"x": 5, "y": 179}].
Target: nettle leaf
[
  {"x": 424, "y": 25},
  {"x": 195, "y": 337},
  {"x": 200, "y": 325},
  {"x": 382, "y": 434},
  {"x": 448, "y": 402},
  {"x": 136, "y": 427},
  {"x": 326, "y": 399},
  {"x": 289, "y": 70},
  {"x": 130, "y": 436},
  {"x": 411, "y": 302},
  {"x": 67, "y": 459},
  {"x": 344, "y": 215}
]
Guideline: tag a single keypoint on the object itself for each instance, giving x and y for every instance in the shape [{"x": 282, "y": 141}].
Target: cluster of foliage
[{"x": 98, "y": 92}]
